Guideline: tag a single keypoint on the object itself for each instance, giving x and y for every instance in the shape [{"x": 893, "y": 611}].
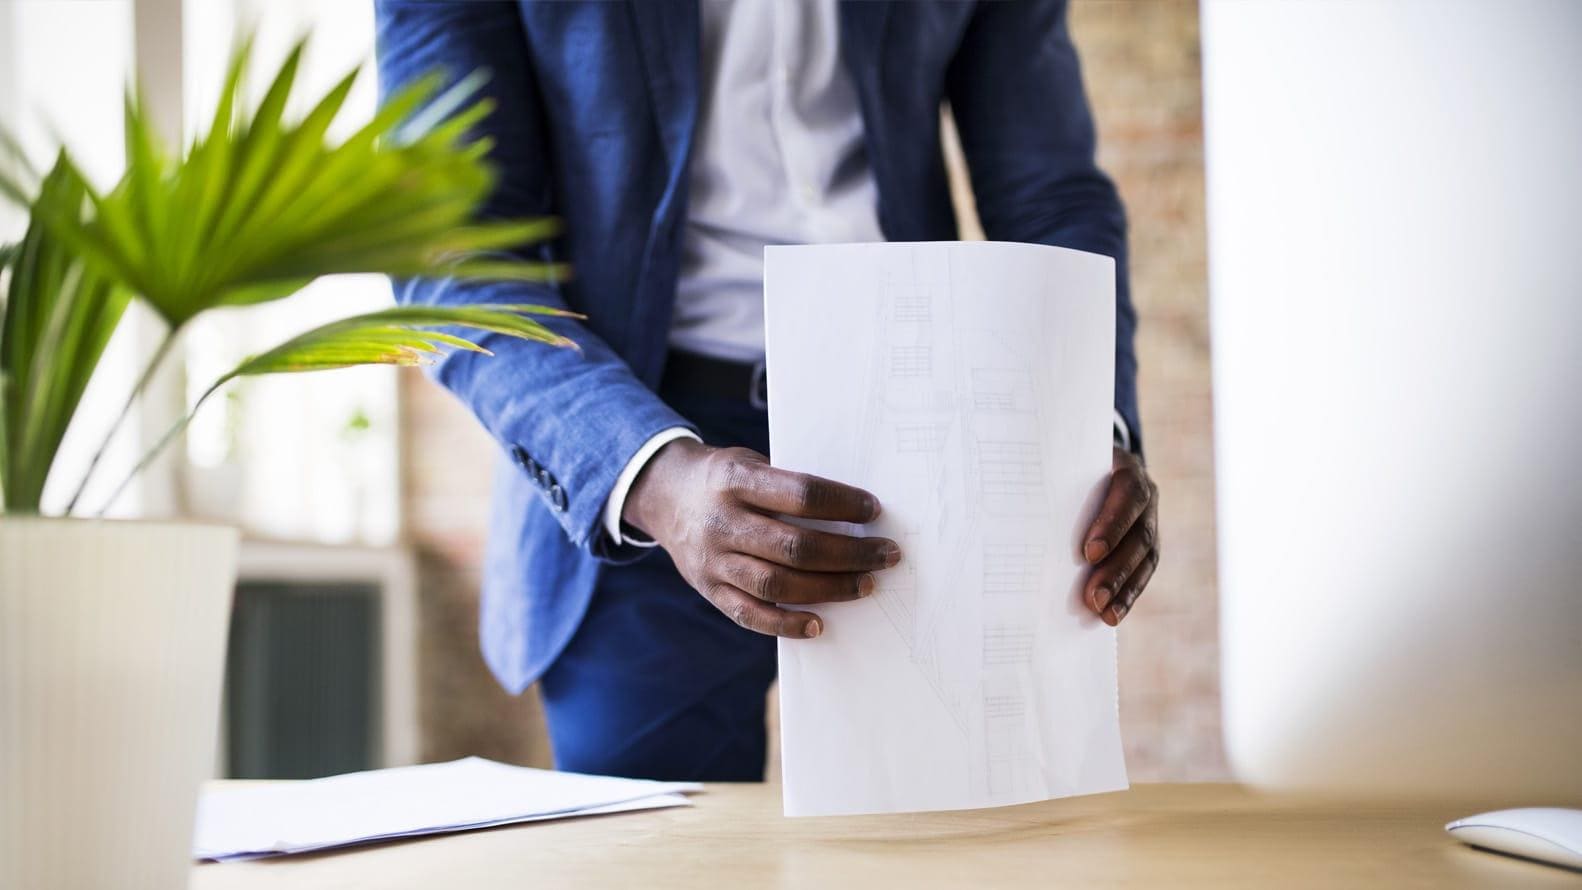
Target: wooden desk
[{"x": 1151, "y": 836}]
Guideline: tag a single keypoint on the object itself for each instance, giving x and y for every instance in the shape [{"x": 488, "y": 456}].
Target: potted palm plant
[{"x": 112, "y": 633}]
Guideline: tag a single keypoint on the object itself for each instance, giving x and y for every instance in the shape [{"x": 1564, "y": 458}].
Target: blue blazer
[{"x": 596, "y": 106}]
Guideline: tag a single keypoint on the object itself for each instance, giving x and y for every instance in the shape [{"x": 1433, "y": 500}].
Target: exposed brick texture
[
  {"x": 446, "y": 466},
  {"x": 1142, "y": 65},
  {"x": 1142, "y": 68}
]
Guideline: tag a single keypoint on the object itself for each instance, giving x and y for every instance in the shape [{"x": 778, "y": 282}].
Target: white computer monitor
[{"x": 1395, "y": 229}]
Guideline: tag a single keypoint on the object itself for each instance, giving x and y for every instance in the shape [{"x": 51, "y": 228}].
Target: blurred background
[{"x": 363, "y": 493}]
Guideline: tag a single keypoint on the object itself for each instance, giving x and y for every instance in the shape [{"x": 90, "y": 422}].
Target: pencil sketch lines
[
  {"x": 920, "y": 438},
  {"x": 998, "y": 392},
  {"x": 1012, "y": 569},
  {"x": 1011, "y": 468},
  {"x": 910, "y": 427},
  {"x": 931, "y": 666},
  {"x": 1005, "y": 745},
  {"x": 1007, "y": 646},
  {"x": 912, "y": 306},
  {"x": 911, "y": 361},
  {"x": 897, "y": 597}
]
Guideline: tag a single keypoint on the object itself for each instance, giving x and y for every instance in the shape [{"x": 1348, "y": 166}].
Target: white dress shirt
[{"x": 778, "y": 158}]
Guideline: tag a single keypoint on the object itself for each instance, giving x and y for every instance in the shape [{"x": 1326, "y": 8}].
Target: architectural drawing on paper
[
  {"x": 920, "y": 437},
  {"x": 1007, "y": 645},
  {"x": 1011, "y": 468},
  {"x": 911, "y": 305},
  {"x": 964, "y": 389},
  {"x": 995, "y": 391},
  {"x": 1010, "y": 477},
  {"x": 911, "y": 361},
  {"x": 909, "y": 427},
  {"x": 1012, "y": 569},
  {"x": 897, "y": 596},
  {"x": 937, "y": 395},
  {"x": 1006, "y": 750}
]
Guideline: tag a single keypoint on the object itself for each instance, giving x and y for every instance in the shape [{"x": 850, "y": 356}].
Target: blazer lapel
[
  {"x": 667, "y": 33},
  {"x": 863, "y": 25},
  {"x": 862, "y": 30}
]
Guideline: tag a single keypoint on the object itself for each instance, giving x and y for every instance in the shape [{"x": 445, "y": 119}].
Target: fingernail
[
  {"x": 892, "y": 555},
  {"x": 1101, "y": 598},
  {"x": 873, "y": 508},
  {"x": 864, "y": 584},
  {"x": 1095, "y": 550},
  {"x": 1120, "y": 611},
  {"x": 813, "y": 628}
]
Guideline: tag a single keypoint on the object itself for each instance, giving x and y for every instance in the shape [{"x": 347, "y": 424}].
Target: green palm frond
[
  {"x": 254, "y": 209},
  {"x": 260, "y": 205},
  {"x": 402, "y": 336},
  {"x": 17, "y": 176},
  {"x": 59, "y": 315}
]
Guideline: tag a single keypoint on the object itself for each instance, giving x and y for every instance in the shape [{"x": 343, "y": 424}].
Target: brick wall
[
  {"x": 446, "y": 470},
  {"x": 1142, "y": 65},
  {"x": 1141, "y": 62}
]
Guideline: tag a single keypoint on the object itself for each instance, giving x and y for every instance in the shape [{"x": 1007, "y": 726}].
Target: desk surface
[{"x": 1151, "y": 836}]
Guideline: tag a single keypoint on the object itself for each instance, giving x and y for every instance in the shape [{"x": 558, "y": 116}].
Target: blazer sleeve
[
  {"x": 1015, "y": 88},
  {"x": 569, "y": 419}
]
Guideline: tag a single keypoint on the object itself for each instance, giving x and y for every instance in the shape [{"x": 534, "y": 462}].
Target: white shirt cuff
[
  {"x": 616, "y": 503},
  {"x": 1123, "y": 433}
]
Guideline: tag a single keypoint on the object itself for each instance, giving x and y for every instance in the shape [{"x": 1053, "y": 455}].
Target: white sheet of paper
[
  {"x": 969, "y": 386},
  {"x": 297, "y": 817}
]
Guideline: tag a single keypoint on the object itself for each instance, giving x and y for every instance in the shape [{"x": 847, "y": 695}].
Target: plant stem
[
  {"x": 164, "y": 441},
  {"x": 143, "y": 380}
]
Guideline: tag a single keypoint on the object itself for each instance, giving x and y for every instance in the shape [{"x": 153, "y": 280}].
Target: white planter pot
[{"x": 112, "y": 647}]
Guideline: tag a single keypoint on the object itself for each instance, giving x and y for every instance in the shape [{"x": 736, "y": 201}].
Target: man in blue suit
[{"x": 676, "y": 138}]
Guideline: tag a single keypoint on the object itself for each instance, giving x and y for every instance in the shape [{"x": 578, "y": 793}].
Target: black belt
[{"x": 690, "y": 372}]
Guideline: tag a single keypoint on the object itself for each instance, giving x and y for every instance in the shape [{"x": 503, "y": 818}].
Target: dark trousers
[{"x": 657, "y": 683}]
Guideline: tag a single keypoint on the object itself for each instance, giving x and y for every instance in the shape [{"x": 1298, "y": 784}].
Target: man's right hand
[{"x": 716, "y": 511}]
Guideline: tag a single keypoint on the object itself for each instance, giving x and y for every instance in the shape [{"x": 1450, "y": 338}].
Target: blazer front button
[{"x": 557, "y": 496}]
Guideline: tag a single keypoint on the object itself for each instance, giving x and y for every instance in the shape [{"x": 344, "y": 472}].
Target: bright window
[{"x": 297, "y": 457}]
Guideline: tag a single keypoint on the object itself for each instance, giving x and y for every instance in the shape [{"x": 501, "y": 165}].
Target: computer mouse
[{"x": 1548, "y": 834}]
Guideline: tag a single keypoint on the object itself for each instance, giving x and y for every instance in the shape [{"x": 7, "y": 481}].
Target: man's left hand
[{"x": 1122, "y": 545}]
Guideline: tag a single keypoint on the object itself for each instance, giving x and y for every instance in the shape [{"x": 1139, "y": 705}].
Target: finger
[
  {"x": 798, "y": 494},
  {"x": 807, "y": 549},
  {"x": 1123, "y": 602},
  {"x": 1129, "y": 495},
  {"x": 778, "y": 584},
  {"x": 1112, "y": 573},
  {"x": 759, "y": 616}
]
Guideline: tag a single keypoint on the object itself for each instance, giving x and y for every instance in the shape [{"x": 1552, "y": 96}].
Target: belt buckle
[{"x": 758, "y": 389}]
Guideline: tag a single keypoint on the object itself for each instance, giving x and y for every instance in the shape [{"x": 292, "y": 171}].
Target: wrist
[{"x": 652, "y": 497}]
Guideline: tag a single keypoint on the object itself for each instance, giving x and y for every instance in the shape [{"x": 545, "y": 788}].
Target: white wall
[
  {"x": 280, "y": 456},
  {"x": 1395, "y": 227},
  {"x": 63, "y": 69}
]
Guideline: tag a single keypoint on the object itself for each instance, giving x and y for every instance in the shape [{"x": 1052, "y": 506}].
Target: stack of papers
[
  {"x": 969, "y": 387},
  {"x": 252, "y": 822}
]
